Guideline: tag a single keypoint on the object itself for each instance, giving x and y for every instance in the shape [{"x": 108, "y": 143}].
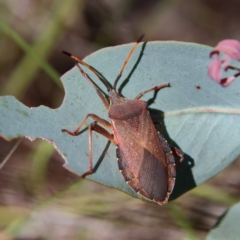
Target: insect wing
[{"x": 142, "y": 159}]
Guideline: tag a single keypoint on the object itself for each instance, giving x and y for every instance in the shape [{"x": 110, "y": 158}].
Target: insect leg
[
  {"x": 95, "y": 127},
  {"x": 177, "y": 153},
  {"x": 94, "y": 117},
  {"x": 156, "y": 88}
]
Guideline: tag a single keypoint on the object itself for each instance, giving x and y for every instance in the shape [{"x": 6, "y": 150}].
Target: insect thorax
[{"x": 124, "y": 108}]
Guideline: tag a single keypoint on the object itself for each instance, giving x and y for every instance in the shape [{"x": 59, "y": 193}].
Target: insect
[{"x": 145, "y": 159}]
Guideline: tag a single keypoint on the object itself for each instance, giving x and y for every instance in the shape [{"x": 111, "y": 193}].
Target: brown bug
[{"x": 145, "y": 159}]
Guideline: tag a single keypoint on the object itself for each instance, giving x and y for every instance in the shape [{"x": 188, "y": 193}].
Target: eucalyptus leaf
[
  {"x": 202, "y": 121},
  {"x": 227, "y": 226}
]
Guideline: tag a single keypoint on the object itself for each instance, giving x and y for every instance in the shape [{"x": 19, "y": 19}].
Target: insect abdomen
[{"x": 154, "y": 181}]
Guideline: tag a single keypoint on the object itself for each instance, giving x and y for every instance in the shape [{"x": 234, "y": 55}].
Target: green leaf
[
  {"x": 204, "y": 123},
  {"x": 227, "y": 226}
]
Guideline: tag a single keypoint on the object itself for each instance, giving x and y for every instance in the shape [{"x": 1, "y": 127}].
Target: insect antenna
[
  {"x": 90, "y": 68},
  {"x": 126, "y": 61}
]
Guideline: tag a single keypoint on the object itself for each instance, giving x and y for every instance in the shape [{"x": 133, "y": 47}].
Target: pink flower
[{"x": 231, "y": 50}]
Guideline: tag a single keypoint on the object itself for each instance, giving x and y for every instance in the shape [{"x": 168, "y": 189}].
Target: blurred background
[{"x": 39, "y": 199}]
